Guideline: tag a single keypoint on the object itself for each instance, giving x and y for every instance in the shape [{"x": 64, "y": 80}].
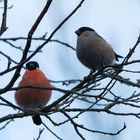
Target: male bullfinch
[
  {"x": 92, "y": 50},
  {"x": 33, "y": 98}
]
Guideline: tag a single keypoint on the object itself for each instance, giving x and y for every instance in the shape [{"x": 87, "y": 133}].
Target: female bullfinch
[
  {"x": 29, "y": 98},
  {"x": 92, "y": 50}
]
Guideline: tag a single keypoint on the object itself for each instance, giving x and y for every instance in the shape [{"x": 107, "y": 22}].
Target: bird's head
[
  {"x": 83, "y": 29},
  {"x": 32, "y": 65}
]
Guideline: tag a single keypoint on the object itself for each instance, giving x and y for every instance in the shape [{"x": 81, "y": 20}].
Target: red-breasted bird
[
  {"x": 92, "y": 50},
  {"x": 33, "y": 98}
]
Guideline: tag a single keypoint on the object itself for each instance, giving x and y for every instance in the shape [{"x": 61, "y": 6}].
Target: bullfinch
[
  {"x": 92, "y": 50},
  {"x": 33, "y": 98}
]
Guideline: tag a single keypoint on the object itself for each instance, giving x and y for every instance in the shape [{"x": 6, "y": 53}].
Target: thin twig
[
  {"x": 39, "y": 135},
  {"x": 51, "y": 131},
  {"x": 4, "y": 126},
  {"x": 27, "y": 47},
  {"x": 4, "y": 19}
]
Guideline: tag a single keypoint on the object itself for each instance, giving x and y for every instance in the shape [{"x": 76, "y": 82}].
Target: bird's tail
[{"x": 37, "y": 119}]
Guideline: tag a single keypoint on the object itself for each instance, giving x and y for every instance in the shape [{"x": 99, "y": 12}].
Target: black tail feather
[{"x": 37, "y": 119}]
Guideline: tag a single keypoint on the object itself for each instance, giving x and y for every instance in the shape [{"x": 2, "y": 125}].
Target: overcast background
[{"x": 118, "y": 21}]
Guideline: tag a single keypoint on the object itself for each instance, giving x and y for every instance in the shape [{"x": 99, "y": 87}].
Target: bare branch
[
  {"x": 7, "y": 123},
  {"x": 74, "y": 125},
  {"x": 96, "y": 90},
  {"x": 39, "y": 135},
  {"x": 51, "y": 131},
  {"x": 27, "y": 47},
  {"x": 4, "y": 19}
]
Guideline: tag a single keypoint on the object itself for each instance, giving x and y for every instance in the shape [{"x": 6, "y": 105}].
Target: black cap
[
  {"x": 32, "y": 65},
  {"x": 83, "y": 29}
]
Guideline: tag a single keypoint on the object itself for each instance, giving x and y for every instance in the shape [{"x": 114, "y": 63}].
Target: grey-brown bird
[{"x": 93, "y": 51}]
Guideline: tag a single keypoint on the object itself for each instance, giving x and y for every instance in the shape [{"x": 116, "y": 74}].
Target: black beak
[{"x": 78, "y": 32}]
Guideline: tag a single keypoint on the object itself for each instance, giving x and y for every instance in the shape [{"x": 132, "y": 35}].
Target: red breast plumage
[{"x": 33, "y": 98}]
